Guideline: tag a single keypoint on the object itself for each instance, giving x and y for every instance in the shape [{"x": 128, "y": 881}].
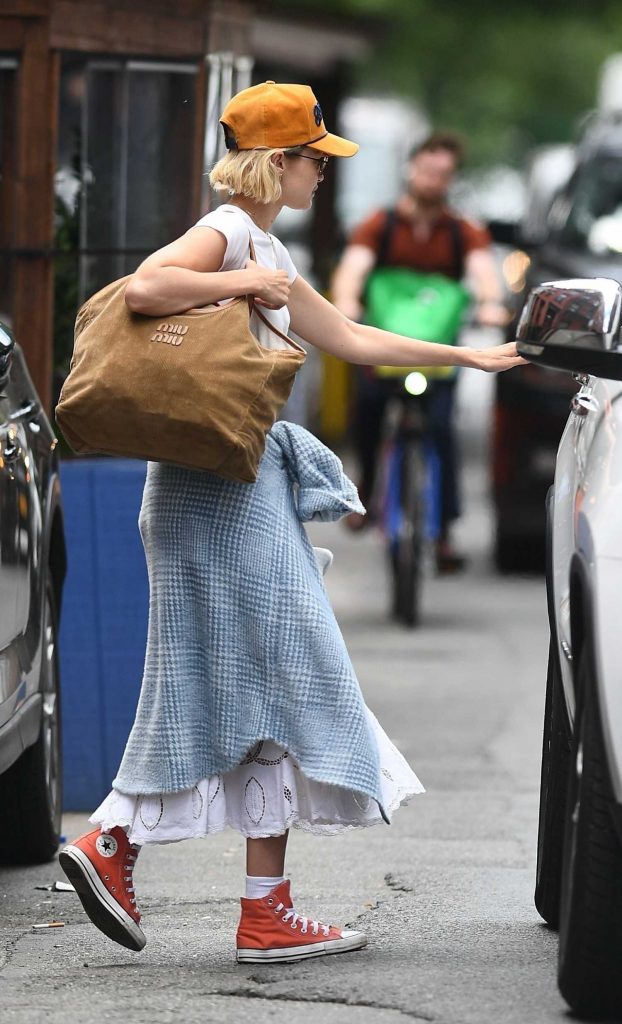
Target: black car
[
  {"x": 530, "y": 411},
  {"x": 582, "y": 239},
  {"x": 32, "y": 570}
]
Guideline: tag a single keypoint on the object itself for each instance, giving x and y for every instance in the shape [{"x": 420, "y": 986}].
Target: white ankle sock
[{"x": 258, "y": 886}]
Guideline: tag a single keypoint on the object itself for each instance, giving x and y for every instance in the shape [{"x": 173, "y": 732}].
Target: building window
[
  {"x": 8, "y": 78},
  {"x": 124, "y": 182}
]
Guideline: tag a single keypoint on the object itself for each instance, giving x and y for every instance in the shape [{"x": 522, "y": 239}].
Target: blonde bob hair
[{"x": 248, "y": 172}]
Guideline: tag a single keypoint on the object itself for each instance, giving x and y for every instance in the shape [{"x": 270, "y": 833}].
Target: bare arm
[
  {"x": 322, "y": 325},
  {"x": 349, "y": 279},
  {"x": 482, "y": 273},
  {"x": 185, "y": 275}
]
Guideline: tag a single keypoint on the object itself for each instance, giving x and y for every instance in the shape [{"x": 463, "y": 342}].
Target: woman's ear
[{"x": 278, "y": 159}]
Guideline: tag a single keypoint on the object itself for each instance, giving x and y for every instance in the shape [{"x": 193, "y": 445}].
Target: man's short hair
[{"x": 449, "y": 141}]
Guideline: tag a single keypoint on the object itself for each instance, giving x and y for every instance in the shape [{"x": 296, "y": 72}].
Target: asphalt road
[{"x": 445, "y": 892}]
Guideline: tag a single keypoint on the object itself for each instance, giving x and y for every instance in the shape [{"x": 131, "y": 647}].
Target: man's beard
[{"x": 427, "y": 202}]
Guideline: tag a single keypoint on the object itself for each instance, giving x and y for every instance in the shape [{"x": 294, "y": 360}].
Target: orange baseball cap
[{"x": 275, "y": 116}]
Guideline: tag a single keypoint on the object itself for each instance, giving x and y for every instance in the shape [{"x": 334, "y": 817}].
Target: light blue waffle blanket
[{"x": 243, "y": 644}]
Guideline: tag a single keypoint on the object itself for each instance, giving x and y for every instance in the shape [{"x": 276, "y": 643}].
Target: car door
[
  {"x": 25, "y": 428},
  {"x": 571, "y": 483},
  {"x": 20, "y": 527},
  {"x": 9, "y": 522}
]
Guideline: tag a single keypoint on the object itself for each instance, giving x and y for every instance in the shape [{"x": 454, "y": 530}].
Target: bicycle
[{"x": 408, "y": 495}]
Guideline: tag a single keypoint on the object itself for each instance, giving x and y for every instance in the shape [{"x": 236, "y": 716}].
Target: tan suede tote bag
[{"x": 196, "y": 389}]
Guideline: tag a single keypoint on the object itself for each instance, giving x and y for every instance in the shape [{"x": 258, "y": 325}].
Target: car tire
[
  {"x": 31, "y": 789},
  {"x": 590, "y": 940},
  {"x": 556, "y": 751}
]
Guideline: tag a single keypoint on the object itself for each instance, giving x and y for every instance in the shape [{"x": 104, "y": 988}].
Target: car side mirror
[
  {"x": 7, "y": 345},
  {"x": 574, "y": 325}
]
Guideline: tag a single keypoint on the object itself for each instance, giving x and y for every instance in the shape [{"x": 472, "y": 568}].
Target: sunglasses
[{"x": 321, "y": 161}]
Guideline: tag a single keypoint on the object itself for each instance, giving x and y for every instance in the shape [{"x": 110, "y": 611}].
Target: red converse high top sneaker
[
  {"x": 100, "y": 866},
  {"x": 271, "y": 931}
]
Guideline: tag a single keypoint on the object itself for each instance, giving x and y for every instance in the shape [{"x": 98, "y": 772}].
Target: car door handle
[{"x": 581, "y": 405}]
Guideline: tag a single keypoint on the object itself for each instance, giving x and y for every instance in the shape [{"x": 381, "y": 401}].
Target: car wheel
[
  {"x": 590, "y": 940},
  {"x": 30, "y": 790},
  {"x": 556, "y": 748}
]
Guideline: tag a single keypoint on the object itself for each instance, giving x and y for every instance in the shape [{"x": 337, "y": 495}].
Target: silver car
[{"x": 575, "y": 325}]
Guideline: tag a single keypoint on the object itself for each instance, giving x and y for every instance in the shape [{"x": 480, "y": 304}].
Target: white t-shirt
[{"x": 236, "y": 225}]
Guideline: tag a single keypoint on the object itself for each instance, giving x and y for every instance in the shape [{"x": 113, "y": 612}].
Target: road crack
[
  {"x": 395, "y": 884},
  {"x": 283, "y": 997},
  {"x": 10, "y": 948}
]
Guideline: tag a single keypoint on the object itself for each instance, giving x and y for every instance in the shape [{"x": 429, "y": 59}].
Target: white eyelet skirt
[{"x": 263, "y": 796}]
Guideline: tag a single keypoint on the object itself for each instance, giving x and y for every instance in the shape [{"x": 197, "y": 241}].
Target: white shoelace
[
  {"x": 130, "y": 858},
  {"x": 305, "y": 922}
]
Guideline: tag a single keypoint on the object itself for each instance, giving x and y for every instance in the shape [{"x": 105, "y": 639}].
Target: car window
[{"x": 588, "y": 216}]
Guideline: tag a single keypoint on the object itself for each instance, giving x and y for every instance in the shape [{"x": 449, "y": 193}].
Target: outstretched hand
[{"x": 500, "y": 357}]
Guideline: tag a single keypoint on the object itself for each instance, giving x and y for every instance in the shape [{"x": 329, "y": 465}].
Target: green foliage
[{"x": 509, "y": 76}]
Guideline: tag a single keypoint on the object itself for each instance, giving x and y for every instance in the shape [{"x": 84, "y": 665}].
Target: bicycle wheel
[{"x": 408, "y": 544}]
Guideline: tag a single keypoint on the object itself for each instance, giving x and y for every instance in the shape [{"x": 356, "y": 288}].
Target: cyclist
[{"x": 421, "y": 233}]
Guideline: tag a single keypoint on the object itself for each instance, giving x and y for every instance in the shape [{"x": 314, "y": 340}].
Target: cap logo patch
[{"x": 317, "y": 114}]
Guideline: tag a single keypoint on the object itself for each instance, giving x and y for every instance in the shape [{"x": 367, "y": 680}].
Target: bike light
[{"x": 416, "y": 383}]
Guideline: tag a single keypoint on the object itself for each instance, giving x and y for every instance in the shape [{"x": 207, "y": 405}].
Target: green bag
[{"x": 425, "y": 306}]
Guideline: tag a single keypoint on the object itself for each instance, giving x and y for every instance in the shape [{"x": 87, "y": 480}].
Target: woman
[{"x": 250, "y": 713}]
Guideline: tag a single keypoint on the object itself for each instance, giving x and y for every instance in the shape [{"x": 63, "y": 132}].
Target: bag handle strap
[
  {"x": 385, "y": 238},
  {"x": 250, "y": 299},
  {"x": 457, "y": 241},
  {"x": 254, "y": 308},
  {"x": 275, "y": 330}
]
